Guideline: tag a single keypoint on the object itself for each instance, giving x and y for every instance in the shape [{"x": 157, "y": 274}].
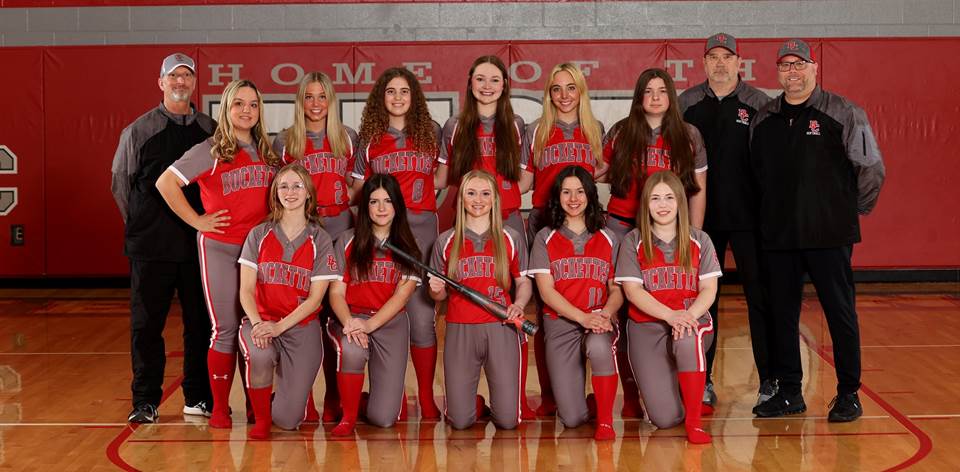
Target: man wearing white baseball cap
[{"x": 161, "y": 248}]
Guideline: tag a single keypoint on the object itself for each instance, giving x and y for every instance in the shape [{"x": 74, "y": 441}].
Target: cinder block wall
[{"x": 476, "y": 21}]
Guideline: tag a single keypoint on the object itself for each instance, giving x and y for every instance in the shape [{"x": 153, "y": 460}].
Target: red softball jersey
[
  {"x": 368, "y": 294},
  {"x": 396, "y": 155},
  {"x": 567, "y": 146},
  {"x": 327, "y": 171}
]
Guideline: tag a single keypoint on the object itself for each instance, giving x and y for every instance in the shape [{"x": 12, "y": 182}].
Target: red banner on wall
[{"x": 73, "y": 228}]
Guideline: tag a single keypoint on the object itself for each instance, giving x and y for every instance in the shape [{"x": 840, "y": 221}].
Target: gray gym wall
[{"x": 476, "y": 21}]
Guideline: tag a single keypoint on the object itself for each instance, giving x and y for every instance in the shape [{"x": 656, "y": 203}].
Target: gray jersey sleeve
[
  {"x": 526, "y": 145},
  {"x": 699, "y": 151},
  {"x": 539, "y": 258},
  {"x": 446, "y": 140},
  {"x": 325, "y": 265},
  {"x": 360, "y": 161},
  {"x": 437, "y": 259},
  {"x": 709, "y": 265},
  {"x": 353, "y": 139},
  {"x": 340, "y": 252},
  {"x": 194, "y": 162},
  {"x": 521, "y": 129},
  {"x": 628, "y": 265},
  {"x": 519, "y": 251},
  {"x": 250, "y": 253},
  {"x": 279, "y": 145},
  {"x": 614, "y": 247},
  {"x": 863, "y": 152}
]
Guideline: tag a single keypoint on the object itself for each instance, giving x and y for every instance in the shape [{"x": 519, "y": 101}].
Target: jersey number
[
  {"x": 417, "y": 190},
  {"x": 338, "y": 192},
  {"x": 496, "y": 294},
  {"x": 594, "y": 296}
]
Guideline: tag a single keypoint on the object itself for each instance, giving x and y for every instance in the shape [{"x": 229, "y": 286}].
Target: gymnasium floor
[{"x": 65, "y": 375}]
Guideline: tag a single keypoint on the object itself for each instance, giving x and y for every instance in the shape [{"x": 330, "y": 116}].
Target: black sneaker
[
  {"x": 845, "y": 408},
  {"x": 200, "y": 408},
  {"x": 709, "y": 396},
  {"x": 767, "y": 390},
  {"x": 143, "y": 413},
  {"x": 781, "y": 404}
]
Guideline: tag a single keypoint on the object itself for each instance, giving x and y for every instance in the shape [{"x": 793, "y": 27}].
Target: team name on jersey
[
  {"x": 381, "y": 271},
  {"x": 281, "y": 273},
  {"x": 475, "y": 267},
  {"x": 564, "y": 153},
  {"x": 669, "y": 278},
  {"x": 324, "y": 162},
  {"x": 403, "y": 161},
  {"x": 488, "y": 146},
  {"x": 580, "y": 268},
  {"x": 252, "y": 176},
  {"x": 658, "y": 157}
]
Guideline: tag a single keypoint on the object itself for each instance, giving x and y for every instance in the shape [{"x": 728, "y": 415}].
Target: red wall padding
[{"x": 65, "y": 107}]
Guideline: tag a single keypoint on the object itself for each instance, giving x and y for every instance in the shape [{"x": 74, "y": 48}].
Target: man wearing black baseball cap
[
  {"x": 161, "y": 248},
  {"x": 818, "y": 168},
  {"x": 722, "y": 108}
]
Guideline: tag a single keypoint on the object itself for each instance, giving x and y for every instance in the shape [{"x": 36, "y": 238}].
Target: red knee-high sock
[
  {"x": 260, "y": 398},
  {"x": 425, "y": 365},
  {"x": 221, "y": 367},
  {"x": 350, "y": 386},
  {"x": 604, "y": 390},
  {"x": 547, "y": 404},
  {"x": 526, "y": 412},
  {"x": 691, "y": 388},
  {"x": 331, "y": 395}
]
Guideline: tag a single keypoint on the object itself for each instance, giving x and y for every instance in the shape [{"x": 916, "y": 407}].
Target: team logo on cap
[
  {"x": 722, "y": 38},
  {"x": 792, "y": 45},
  {"x": 814, "y": 128},
  {"x": 743, "y": 116}
]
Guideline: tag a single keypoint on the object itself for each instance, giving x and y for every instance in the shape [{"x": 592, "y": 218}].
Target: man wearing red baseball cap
[{"x": 818, "y": 168}]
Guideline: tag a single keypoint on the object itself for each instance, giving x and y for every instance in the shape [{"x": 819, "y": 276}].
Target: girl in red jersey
[
  {"x": 234, "y": 169},
  {"x": 488, "y": 135},
  {"x": 324, "y": 146},
  {"x": 669, "y": 270},
  {"x": 480, "y": 253},
  {"x": 285, "y": 267},
  {"x": 371, "y": 325},
  {"x": 572, "y": 260},
  {"x": 655, "y": 130},
  {"x": 397, "y": 137},
  {"x": 566, "y": 134}
]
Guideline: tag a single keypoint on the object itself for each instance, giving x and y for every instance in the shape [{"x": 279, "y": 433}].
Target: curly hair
[
  {"x": 592, "y": 215},
  {"x": 225, "y": 141},
  {"x": 417, "y": 121}
]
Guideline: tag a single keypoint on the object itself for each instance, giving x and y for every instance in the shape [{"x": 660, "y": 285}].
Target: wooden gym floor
[{"x": 65, "y": 376}]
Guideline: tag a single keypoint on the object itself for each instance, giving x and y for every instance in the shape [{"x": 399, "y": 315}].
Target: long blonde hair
[
  {"x": 225, "y": 142},
  {"x": 589, "y": 125},
  {"x": 645, "y": 220},
  {"x": 501, "y": 263},
  {"x": 295, "y": 137}
]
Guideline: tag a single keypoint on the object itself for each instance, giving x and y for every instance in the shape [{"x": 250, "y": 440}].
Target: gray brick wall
[{"x": 477, "y": 21}]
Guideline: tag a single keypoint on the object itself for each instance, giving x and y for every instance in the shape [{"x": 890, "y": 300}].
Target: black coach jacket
[
  {"x": 815, "y": 173},
  {"x": 724, "y": 123}
]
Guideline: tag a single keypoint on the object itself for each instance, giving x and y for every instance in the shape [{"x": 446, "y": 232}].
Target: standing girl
[
  {"x": 669, "y": 270},
  {"x": 572, "y": 260},
  {"x": 397, "y": 137},
  {"x": 324, "y": 146},
  {"x": 480, "y": 253},
  {"x": 566, "y": 134},
  {"x": 653, "y": 137},
  {"x": 234, "y": 169},
  {"x": 371, "y": 325},
  {"x": 285, "y": 267}
]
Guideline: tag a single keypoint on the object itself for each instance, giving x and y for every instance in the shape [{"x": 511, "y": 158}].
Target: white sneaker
[{"x": 199, "y": 408}]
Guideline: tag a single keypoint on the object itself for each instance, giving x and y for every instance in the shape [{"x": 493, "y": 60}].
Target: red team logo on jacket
[
  {"x": 814, "y": 128},
  {"x": 743, "y": 116}
]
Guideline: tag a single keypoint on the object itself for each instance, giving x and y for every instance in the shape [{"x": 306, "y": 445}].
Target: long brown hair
[
  {"x": 418, "y": 124},
  {"x": 466, "y": 145},
  {"x": 645, "y": 220},
  {"x": 501, "y": 263},
  {"x": 592, "y": 215},
  {"x": 309, "y": 208},
  {"x": 633, "y": 132},
  {"x": 589, "y": 125},
  {"x": 295, "y": 137},
  {"x": 225, "y": 142},
  {"x": 364, "y": 243}
]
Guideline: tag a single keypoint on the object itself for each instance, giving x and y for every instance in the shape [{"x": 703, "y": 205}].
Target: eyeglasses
[
  {"x": 291, "y": 188},
  {"x": 798, "y": 65},
  {"x": 185, "y": 76}
]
